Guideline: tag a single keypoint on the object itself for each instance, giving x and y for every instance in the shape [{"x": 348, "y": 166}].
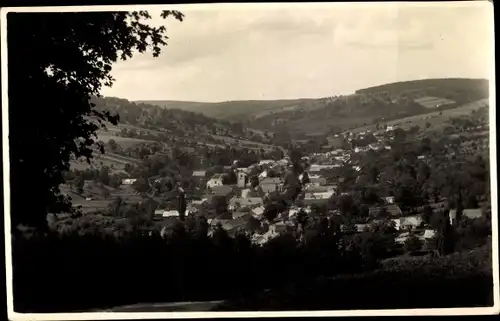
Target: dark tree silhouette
[{"x": 78, "y": 52}]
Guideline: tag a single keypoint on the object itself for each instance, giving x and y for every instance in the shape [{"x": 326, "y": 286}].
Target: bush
[
  {"x": 78, "y": 271},
  {"x": 412, "y": 244},
  {"x": 416, "y": 283}
]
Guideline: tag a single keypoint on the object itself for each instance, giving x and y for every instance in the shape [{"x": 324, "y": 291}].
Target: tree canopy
[{"x": 63, "y": 62}]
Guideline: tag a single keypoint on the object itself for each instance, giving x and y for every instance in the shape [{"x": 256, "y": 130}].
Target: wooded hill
[{"x": 331, "y": 114}]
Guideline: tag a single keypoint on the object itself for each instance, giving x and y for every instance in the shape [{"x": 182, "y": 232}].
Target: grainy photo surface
[{"x": 249, "y": 158}]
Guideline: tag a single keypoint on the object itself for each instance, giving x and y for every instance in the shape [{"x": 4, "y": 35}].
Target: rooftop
[
  {"x": 199, "y": 173},
  {"x": 271, "y": 180},
  {"x": 222, "y": 190}
]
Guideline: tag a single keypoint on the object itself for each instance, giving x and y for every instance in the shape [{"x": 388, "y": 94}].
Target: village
[{"x": 245, "y": 199}]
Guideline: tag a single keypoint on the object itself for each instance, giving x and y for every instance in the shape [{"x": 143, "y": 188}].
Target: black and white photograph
[{"x": 258, "y": 159}]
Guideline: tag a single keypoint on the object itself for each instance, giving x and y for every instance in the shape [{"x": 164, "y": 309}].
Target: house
[
  {"x": 238, "y": 202},
  {"x": 394, "y": 210},
  {"x": 360, "y": 149},
  {"x": 171, "y": 213},
  {"x": 430, "y": 234},
  {"x": 271, "y": 184},
  {"x": 199, "y": 174},
  {"x": 223, "y": 190},
  {"x": 266, "y": 162},
  {"x": 241, "y": 179},
  {"x": 257, "y": 212},
  {"x": 317, "y": 180},
  {"x": 389, "y": 200},
  {"x": 266, "y": 237},
  {"x": 317, "y": 198},
  {"x": 216, "y": 180},
  {"x": 411, "y": 221},
  {"x": 159, "y": 211},
  {"x": 234, "y": 225},
  {"x": 129, "y": 181},
  {"x": 242, "y": 169}
]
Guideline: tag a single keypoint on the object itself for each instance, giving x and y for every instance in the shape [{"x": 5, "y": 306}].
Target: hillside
[
  {"x": 334, "y": 114},
  {"x": 140, "y": 121},
  {"x": 377, "y": 105},
  {"x": 234, "y": 110},
  {"x": 148, "y": 126},
  {"x": 441, "y": 87}
]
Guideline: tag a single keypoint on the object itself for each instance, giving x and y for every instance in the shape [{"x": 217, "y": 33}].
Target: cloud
[{"x": 231, "y": 54}]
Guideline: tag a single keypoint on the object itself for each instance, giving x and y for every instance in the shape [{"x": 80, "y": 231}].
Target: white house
[
  {"x": 129, "y": 181},
  {"x": 172, "y": 213},
  {"x": 266, "y": 162},
  {"x": 412, "y": 221},
  {"x": 216, "y": 180},
  {"x": 389, "y": 199},
  {"x": 200, "y": 174},
  {"x": 241, "y": 176},
  {"x": 258, "y": 211}
]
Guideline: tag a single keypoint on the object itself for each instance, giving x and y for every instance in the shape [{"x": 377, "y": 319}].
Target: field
[
  {"x": 243, "y": 143},
  {"x": 97, "y": 202},
  {"x": 433, "y": 102},
  {"x": 125, "y": 142},
  {"x": 434, "y": 118}
]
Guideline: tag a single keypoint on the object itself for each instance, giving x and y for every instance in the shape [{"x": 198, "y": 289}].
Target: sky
[{"x": 287, "y": 51}]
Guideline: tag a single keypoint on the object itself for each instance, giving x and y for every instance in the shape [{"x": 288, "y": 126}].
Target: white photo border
[{"x": 12, "y": 315}]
